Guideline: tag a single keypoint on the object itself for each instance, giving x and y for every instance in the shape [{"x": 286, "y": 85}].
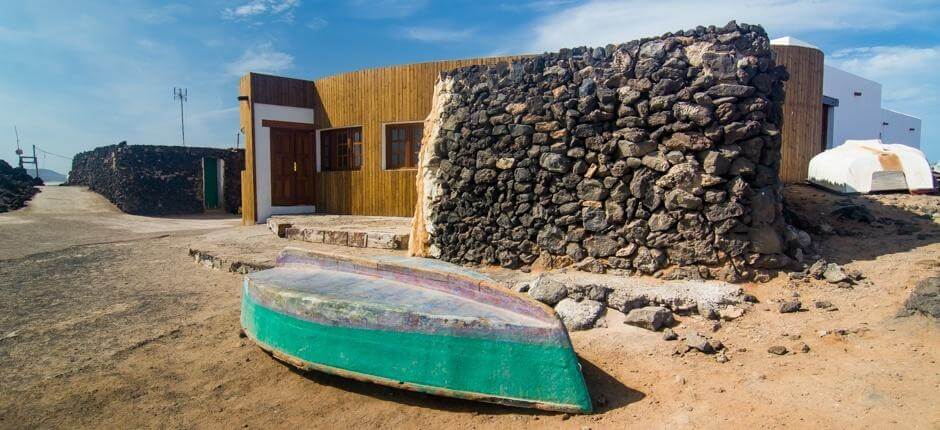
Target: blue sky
[{"x": 76, "y": 75}]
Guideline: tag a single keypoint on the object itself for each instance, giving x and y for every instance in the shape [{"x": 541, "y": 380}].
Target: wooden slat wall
[
  {"x": 802, "y": 110},
  {"x": 370, "y": 98},
  {"x": 249, "y": 214},
  {"x": 277, "y": 90}
]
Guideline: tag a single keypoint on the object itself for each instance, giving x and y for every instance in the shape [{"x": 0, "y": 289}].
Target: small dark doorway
[
  {"x": 293, "y": 167},
  {"x": 211, "y": 181}
]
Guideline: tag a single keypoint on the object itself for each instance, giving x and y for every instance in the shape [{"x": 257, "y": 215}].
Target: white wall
[
  {"x": 263, "y": 157},
  {"x": 856, "y": 117},
  {"x": 898, "y": 128}
]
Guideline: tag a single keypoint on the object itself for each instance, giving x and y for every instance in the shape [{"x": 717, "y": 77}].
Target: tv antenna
[
  {"x": 181, "y": 95},
  {"x": 25, "y": 159}
]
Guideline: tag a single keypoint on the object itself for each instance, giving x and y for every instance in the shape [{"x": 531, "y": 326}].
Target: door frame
[{"x": 293, "y": 128}]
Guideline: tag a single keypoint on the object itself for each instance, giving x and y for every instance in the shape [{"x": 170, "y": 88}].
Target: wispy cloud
[
  {"x": 164, "y": 14},
  {"x": 908, "y": 75},
  {"x": 435, "y": 34},
  {"x": 256, "y": 9},
  {"x": 263, "y": 59},
  {"x": 317, "y": 23},
  {"x": 385, "y": 9},
  {"x": 600, "y": 22}
]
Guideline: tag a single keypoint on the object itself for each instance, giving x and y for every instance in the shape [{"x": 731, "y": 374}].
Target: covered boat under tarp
[
  {"x": 864, "y": 166},
  {"x": 416, "y": 324}
]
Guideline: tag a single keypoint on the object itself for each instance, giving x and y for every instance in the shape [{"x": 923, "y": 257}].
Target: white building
[{"x": 852, "y": 108}]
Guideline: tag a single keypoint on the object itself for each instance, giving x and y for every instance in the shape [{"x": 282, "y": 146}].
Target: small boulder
[
  {"x": 579, "y": 315},
  {"x": 669, "y": 334},
  {"x": 777, "y": 350},
  {"x": 834, "y": 274},
  {"x": 790, "y": 306},
  {"x": 730, "y": 312},
  {"x": 650, "y": 317},
  {"x": 699, "y": 342},
  {"x": 925, "y": 299},
  {"x": 548, "y": 291}
]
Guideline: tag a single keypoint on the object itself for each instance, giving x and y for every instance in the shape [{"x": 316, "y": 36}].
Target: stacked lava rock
[
  {"x": 16, "y": 187},
  {"x": 156, "y": 180},
  {"x": 660, "y": 153}
]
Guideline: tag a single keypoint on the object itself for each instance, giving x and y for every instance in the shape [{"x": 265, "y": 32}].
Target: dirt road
[{"x": 106, "y": 322}]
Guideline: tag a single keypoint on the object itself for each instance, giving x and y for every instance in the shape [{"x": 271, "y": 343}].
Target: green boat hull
[{"x": 487, "y": 366}]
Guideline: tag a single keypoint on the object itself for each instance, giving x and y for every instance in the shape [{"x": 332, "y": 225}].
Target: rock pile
[
  {"x": 660, "y": 153},
  {"x": 581, "y": 304},
  {"x": 16, "y": 187},
  {"x": 157, "y": 180}
]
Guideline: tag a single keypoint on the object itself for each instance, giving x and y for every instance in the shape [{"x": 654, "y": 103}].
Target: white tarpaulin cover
[{"x": 863, "y": 166}]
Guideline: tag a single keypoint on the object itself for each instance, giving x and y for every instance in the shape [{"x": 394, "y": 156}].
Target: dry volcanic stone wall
[
  {"x": 157, "y": 180},
  {"x": 660, "y": 153}
]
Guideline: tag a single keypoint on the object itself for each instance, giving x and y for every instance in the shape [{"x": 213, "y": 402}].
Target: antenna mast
[{"x": 181, "y": 95}]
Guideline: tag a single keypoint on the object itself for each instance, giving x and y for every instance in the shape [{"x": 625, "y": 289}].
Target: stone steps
[{"x": 343, "y": 236}]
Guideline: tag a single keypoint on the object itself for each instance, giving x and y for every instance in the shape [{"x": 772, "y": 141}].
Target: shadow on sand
[
  {"x": 600, "y": 384},
  {"x": 847, "y": 234}
]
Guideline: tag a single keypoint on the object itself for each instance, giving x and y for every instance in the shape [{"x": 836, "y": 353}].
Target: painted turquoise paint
[{"x": 479, "y": 367}]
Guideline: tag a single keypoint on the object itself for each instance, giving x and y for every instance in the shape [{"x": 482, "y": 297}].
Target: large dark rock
[
  {"x": 924, "y": 300},
  {"x": 16, "y": 187}
]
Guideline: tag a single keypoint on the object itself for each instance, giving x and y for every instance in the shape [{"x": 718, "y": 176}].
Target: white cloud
[
  {"x": 432, "y": 34},
  {"x": 259, "y": 8},
  {"x": 261, "y": 59},
  {"x": 599, "y": 22},
  {"x": 908, "y": 74}
]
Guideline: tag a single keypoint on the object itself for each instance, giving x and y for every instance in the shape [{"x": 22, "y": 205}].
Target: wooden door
[
  {"x": 306, "y": 156},
  {"x": 293, "y": 167},
  {"x": 283, "y": 181}
]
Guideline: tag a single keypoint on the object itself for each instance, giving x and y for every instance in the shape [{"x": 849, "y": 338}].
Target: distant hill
[{"x": 48, "y": 175}]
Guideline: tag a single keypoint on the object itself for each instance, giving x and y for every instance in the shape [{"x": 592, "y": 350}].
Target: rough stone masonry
[
  {"x": 157, "y": 180},
  {"x": 658, "y": 155}
]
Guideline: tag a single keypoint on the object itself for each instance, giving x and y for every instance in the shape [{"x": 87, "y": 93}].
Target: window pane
[{"x": 338, "y": 151}]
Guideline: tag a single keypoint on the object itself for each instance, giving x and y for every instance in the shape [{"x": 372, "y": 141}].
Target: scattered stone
[
  {"x": 834, "y": 274},
  {"x": 924, "y": 300},
  {"x": 548, "y": 291},
  {"x": 721, "y": 357},
  {"x": 650, "y": 317},
  {"x": 730, "y": 312},
  {"x": 669, "y": 334},
  {"x": 698, "y": 342},
  {"x": 579, "y": 315},
  {"x": 790, "y": 306},
  {"x": 802, "y": 347},
  {"x": 825, "y": 305},
  {"x": 777, "y": 350}
]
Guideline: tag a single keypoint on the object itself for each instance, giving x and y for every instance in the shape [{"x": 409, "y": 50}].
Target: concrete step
[{"x": 356, "y": 232}]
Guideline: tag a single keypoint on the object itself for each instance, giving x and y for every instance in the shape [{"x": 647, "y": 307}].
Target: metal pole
[
  {"x": 35, "y": 161},
  {"x": 181, "y": 93},
  {"x": 182, "y": 124}
]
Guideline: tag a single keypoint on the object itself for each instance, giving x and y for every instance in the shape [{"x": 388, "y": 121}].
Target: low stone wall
[
  {"x": 156, "y": 180},
  {"x": 656, "y": 156}
]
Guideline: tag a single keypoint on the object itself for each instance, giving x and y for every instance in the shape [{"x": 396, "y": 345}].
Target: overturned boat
[
  {"x": 416, "y": 324},
  {"x": 865, "y": 166}
]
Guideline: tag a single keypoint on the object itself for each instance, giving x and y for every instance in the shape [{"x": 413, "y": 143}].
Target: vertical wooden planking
[
  {"x": 802, "y": 110},
  {"x": 370, "y": 98},
  {"x": 246, "y": 121}
]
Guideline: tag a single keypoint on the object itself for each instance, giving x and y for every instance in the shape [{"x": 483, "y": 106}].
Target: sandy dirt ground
[{"x": 107, "y": 322}]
